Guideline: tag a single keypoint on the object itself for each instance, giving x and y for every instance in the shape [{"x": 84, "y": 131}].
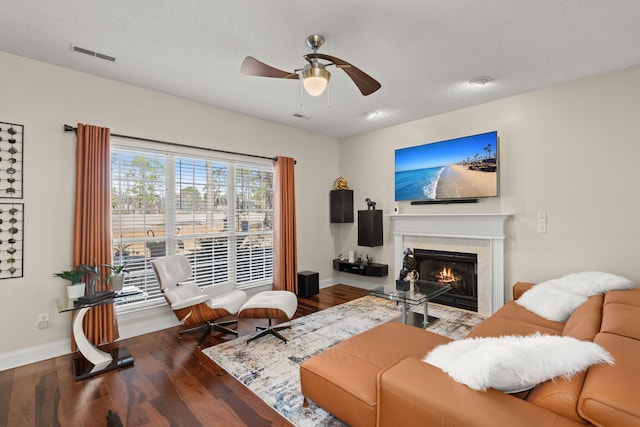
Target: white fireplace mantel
[{"x": 488, "y": 229}]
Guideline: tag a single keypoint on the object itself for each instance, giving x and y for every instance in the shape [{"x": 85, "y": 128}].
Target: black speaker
[
  {"x": 370, "y": 228},
  {"x": 308, "y": 284}
]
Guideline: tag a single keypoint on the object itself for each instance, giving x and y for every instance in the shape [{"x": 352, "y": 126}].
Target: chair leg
[
  {"x": 270, "y": 330},
  {"x": 209, "y": 327},
  {"x": 220, "y": 327},
  {"x": 192, "y": 330}
]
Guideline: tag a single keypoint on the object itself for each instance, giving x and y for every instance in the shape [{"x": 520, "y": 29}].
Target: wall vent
[{"x": 92, "y": 53}]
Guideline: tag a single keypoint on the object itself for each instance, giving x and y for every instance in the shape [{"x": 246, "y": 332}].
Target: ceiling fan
[{"x": 314, "y": 75}]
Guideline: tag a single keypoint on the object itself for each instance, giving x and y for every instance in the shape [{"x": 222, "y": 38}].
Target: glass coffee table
[{"x": 419, "y": 292}]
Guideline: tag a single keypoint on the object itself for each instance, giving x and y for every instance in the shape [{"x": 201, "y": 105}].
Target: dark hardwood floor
[{"x": 171, "y": 384}]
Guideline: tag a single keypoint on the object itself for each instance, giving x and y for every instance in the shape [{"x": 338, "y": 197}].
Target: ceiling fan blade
[
  {"x": 364, "y": 81},
  {"x": 252, "y": 67}
]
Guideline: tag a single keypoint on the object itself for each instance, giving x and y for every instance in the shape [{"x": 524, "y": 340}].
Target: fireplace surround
[
  {"x": 480, "y": 234},
  {"x": 456, "y": 269}
]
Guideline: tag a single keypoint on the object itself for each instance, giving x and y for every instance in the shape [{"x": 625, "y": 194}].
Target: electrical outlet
[
  {"x": 43, "y": 321},
  {"x": 542, "y": 227},
  {"x": 542, "y": 216}
]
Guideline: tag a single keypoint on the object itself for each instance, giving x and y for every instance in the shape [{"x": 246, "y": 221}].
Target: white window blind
[{"x": 218, "y": 213}]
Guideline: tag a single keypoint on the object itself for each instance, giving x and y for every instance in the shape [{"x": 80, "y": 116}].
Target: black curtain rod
[{"x": 68, "y": 128}]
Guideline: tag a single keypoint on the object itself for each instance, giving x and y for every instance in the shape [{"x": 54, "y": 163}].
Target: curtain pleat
[
  {"x": 285, "y": 260},
  {"x": 92, "y": 224}
]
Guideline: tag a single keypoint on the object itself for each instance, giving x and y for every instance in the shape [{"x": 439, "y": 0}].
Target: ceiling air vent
[{"x": 92, "y": 53}]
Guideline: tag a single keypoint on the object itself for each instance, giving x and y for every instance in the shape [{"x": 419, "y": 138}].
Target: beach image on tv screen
[{"x": 459, "y": 168}]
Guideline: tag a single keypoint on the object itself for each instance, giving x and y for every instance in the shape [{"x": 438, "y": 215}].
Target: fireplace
[
  {"x": 482, "y": 234},
  {"x": 456, "y": 269}
]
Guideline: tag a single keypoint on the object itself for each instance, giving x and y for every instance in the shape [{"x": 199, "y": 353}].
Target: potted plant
[
  {"x": 76, "y": 288},
  {"x": 116, "y": 278}
]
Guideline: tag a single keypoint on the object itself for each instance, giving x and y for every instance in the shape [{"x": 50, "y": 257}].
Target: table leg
[
  {"x": 93, "y": 360},
  {"x": 403, "y": 317},
  {"x": 98, "y": 357},
  {"x": 426, "y": 314}
]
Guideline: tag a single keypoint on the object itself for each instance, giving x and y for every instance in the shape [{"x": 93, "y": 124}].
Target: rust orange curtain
[
  {"x": 92, "y": 223},
  {"x": 285, "y": 259}
]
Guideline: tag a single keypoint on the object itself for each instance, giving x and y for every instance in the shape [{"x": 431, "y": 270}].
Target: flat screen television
[{"x": 453, "y": 170}]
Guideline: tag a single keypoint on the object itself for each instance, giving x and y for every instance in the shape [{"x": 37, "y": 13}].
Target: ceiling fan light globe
[{"x": 315, "y": 80}]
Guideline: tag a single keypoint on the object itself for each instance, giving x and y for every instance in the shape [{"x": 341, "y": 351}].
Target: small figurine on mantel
[
  {"x": 340, "y": 184},
  {"x": 371, "y": 205}
]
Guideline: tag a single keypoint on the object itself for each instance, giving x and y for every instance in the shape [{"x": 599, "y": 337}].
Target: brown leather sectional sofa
[{"x": 377, "y": 378}]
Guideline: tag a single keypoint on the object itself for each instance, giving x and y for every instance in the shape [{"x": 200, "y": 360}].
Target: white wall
[
  {"x": 571, "y": 151},
  {"x": 43, "y": 98}
]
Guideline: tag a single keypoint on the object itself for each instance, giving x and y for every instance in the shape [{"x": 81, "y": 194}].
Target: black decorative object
[
  {"x": 11, "y": 240},
  {"x": 408, "y": 264},
  {"x": 403, "y": 285},
  {"x": 11, "y": 160},
  {"x": 371, "y": 205}
]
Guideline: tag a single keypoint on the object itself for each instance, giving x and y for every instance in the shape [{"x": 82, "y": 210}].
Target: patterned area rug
[{"x": 270, "y": 367}]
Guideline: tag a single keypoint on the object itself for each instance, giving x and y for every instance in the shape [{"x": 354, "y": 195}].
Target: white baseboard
[{"x": 28, "y": 355}]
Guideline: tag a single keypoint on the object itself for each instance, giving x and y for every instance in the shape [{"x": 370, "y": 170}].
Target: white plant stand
[{"x": 92, "y": 361}]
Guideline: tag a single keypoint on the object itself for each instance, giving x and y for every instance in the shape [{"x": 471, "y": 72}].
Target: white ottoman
[{"x": 270, "y": 305}]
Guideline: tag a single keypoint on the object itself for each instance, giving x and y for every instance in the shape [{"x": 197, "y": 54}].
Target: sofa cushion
[
  {"x": 515, "y": 363},
  {"x": 520, "y": 288},
  {"x": 628, "y": 297},
  {"x": 512, "y": 310},
  {"x": 559, "y": 395},
  {"x": 609, "y": 395},
  {"x": 499, "y": 326},
  {"x": 585, "y": 322},
  {"x": 621, "y": 319},
  {"x": 513, "y": 319},
  {"x": 343, "y": 379},
  {"x": 416, "y": 394}
]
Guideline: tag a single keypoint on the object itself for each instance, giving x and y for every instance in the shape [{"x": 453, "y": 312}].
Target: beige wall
[
  {"x": 44, "y": 97},
  {"x": 571, "y": 151}
]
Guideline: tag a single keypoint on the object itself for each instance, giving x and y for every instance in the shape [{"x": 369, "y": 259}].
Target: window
[{"x": 219, "y": 213}]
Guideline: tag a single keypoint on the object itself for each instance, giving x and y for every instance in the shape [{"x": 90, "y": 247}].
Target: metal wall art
[
  {"x": 11, "y": 158},
  {"x": 11, "y": 240},
  {"x": 11, "y": 214}
]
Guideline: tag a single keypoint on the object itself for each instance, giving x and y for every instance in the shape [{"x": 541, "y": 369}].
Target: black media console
[{"x": 371, "y": 269}]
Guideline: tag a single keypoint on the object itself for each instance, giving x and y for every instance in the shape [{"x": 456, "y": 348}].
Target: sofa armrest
[
  {"x": 520, "y": 288},
  {"x": 414, "y": 393}
]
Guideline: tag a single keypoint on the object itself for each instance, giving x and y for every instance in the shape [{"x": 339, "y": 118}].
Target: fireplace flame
[{"x": 446, "y": 275}]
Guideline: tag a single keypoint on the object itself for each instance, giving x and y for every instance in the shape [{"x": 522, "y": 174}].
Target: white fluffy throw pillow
[
  {"x": 556, "y": 299},
  {"x": 515, "y": 363}
]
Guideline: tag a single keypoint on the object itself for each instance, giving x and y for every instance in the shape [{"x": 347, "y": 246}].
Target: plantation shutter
[{"x": 217, "y": 212}]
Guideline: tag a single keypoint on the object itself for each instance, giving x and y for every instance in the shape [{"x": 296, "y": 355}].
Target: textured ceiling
[{"x": 423, "y": 52}]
